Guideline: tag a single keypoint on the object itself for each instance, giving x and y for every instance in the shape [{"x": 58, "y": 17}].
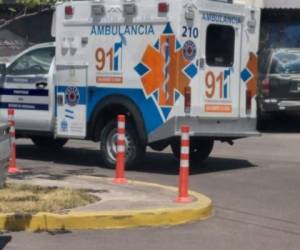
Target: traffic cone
[
  {"x": 12, "y": 168},
  {"x": 183, "y": 189},
  {"x": 120, "y": 155}
]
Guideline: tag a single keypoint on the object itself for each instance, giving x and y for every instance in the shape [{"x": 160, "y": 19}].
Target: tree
[{"x": 29, "y": 8}]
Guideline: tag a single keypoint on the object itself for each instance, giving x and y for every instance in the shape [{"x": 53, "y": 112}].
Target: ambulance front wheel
[
  {"x": 135, "y": 151},
  {"x": 43, "y": 142},
  {"x": 199, "y": 149}
]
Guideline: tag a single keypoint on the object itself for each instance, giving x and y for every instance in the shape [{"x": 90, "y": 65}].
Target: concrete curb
[{"x": 200, "y": 209}]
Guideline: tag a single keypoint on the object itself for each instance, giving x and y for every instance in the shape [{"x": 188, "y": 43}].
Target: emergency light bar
[
  {"x": 130, "y": 9},
  {"x": 163, "y": 8},
  {"x": 223, "y": 1},
  {"x": 190, "y": 14},
  {"x": 98, "y": 10},
  {"x": 69, "y": 11}
]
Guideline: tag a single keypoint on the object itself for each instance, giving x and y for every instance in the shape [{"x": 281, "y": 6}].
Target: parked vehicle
[
  {"x": 4, "y": 152},
  {"x": 279, "y": 85},
  {"x": 161, "y": 63}
]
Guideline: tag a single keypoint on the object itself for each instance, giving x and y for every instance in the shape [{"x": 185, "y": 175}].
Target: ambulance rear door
[{"x": 220, "y": 47}]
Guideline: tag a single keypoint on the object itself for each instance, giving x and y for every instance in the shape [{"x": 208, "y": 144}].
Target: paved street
[{"x": 254, "y": 186}]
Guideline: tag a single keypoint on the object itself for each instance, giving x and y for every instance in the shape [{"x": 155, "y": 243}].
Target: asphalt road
[{"x": 254, "y": 186}]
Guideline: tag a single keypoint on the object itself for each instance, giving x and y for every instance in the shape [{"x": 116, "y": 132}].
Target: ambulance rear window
[{"x": 220, "y": 45}]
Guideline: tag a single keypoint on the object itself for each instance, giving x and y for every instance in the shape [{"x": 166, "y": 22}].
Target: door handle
[
  {"x": 60, "y": 99},
  {"x": 201, "y": 63},
  {"x": 41, "y": 85}
]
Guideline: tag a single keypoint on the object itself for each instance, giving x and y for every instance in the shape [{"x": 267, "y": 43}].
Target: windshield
[{"x": 286, "y": 63}]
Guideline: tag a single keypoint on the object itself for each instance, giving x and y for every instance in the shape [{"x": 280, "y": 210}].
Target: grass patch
[{"x": 16, "y": 198}]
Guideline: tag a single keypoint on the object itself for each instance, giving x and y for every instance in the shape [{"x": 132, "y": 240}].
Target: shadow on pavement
[
  {"x": 85, "y": 161},
  {"x": 280, "y": 123},
  {"x": 54, "y": 232},
  {"x": 70, "y": 156},
  {"x": 166, "y": 164},
  {"x": 4, "y": 240}
]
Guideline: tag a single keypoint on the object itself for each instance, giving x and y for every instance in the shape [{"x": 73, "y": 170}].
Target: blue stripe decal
[
  {"x": 24, "y": 106},
  {"x": 225, "y": 91},
  {"x": 70, "y": 117},
  {"x": 147, "y": 107},
  {"x": 24, "y": 92},
  {"x": 69, "y": 111}
]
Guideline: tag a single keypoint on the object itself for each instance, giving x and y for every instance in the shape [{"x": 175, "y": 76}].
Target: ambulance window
[
  {"x": 220, "y": 45},
  {"x": 33, "y": 62}
]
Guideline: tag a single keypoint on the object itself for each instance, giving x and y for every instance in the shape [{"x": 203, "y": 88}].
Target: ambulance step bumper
[{"x": 201, "y": 127}]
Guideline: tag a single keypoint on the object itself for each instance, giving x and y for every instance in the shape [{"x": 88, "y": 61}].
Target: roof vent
[{"x": 223, "y": 1}]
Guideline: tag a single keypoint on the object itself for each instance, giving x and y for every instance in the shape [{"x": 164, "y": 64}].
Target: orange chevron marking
[{"x": 252, "y": 66}]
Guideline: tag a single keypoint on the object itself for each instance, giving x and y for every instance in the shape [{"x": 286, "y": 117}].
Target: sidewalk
[{"x": 120, "y": 206}]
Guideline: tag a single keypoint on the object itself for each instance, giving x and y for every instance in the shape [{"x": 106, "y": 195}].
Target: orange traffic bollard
[
  {"x": 183, "y": 189},
  {"x": 12, "y": 168},
  {"x": 120, "y": 154}
]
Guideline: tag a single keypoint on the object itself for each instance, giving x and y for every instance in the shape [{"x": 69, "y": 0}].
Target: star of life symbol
[
  {"x": 164, "y": 71},
  {"x": 166, "y": 54}
]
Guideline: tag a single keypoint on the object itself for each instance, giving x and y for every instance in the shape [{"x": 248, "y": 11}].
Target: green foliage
[
  {"x": 23, "y": 8},
  {"x": 32, "y": 3}
]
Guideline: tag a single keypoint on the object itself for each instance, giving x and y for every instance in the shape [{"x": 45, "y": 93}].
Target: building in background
[
  {"x": 280, "y": 27},
  {"x": 280, "y": 23},
  {"x": 24, "y": 32}
]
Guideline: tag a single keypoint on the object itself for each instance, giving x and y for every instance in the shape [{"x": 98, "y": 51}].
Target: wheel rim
[{"x": 111, "y": 145}]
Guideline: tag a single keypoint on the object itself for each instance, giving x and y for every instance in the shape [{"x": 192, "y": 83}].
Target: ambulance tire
[
  {"x": 135, "y": 151},
  {"x": 44, "y": 143},
  {"x": 199, "y": 151}
]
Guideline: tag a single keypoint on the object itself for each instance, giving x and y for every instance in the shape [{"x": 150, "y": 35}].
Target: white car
[{"x": 27, "y": 86}]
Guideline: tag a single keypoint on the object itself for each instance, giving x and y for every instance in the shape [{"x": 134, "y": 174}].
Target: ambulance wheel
[
  {"x": 48, "y": 143},
  {"x": 199, "y": 150},
  {"x": 135, "y": 151}
]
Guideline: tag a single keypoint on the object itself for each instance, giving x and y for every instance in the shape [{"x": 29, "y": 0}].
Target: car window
[
  {"x": 33, "y": 62},
  {"x": 276, "y": 67},
  {"x": 293, "y": 67},
  {"x": 285, "y": 63}
]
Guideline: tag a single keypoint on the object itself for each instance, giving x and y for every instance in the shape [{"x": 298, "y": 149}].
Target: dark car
[{"x": 279, "y": 83}]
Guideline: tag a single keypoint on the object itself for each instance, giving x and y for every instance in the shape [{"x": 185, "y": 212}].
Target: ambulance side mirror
[{"x": 3, "y": 69}]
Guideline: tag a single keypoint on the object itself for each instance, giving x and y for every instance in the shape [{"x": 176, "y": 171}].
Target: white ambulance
[{"x": 162, "y": 63}]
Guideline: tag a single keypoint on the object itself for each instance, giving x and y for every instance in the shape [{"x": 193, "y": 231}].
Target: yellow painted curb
[{"x": 200, "y": 209}]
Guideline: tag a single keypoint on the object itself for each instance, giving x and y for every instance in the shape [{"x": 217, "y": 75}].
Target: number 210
[{"x": 190, "y": 32}]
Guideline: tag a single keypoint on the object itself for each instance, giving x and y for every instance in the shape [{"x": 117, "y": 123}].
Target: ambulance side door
[
  {"x": 220, "y": 48},
  {"x": 71, "y": 100}
]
